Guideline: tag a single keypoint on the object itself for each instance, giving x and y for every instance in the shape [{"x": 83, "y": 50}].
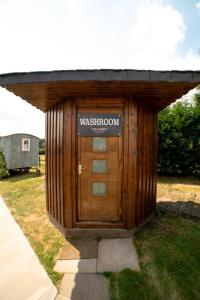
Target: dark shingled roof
[{"x": 156, "y": 88}]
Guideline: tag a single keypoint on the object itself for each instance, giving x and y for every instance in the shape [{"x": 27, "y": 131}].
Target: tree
[{"x": 179, "y": 138}]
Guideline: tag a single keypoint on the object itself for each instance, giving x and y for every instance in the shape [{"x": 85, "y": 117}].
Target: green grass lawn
[
  {"x": 168, "y": 247},
  {"x": 169, "y": 252}
]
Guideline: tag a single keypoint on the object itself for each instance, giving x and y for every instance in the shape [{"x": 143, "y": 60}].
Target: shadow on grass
[
  {"x": 128, "y": 285},
  {"x": 21, "y": 176}
]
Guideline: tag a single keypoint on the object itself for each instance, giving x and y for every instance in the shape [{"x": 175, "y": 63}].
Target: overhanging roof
[{"x": 45, "y": 89}]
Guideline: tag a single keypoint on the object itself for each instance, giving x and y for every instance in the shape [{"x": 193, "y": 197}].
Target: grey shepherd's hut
[{"x": 20, "y": 151}]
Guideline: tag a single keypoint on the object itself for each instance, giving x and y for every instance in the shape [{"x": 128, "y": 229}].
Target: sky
[{"x": 44, "y": 35}]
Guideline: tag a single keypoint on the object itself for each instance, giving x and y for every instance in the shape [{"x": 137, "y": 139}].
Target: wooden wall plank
[
  {"x": 68, "y": 163},
  {"x": 58, "y": 163},
  {"x": 46, "y": 159},
  {"x": 51, "y": 162},
  {"x": 146, "y": 147},
  {"x": 61, "y": 162},
  {"x": 74, "y": 164},
  {"x": 125, "y": 184},
  {"x": 149, "y": 162},
  {"x": 155, "y": 135},
  {"x": 140, "y": 149},
  {"x": 148, "y": 158},
  {"x": 132, "y": 163},
  {"x": 144, "y": 165},
  {"x": 54, "y": 163}
]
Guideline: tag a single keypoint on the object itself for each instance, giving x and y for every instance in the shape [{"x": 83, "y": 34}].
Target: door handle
[{"x": 80, "y": 168}]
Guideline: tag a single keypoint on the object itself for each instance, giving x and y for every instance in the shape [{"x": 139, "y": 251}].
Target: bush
[
  {"x": 179, "y": 139},
  {"x": 41, "y": 151},
  {"x": 3, "y": 171}
]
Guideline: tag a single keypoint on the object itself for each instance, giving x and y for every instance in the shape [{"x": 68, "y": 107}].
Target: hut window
[{"x": 25, "y": 144}]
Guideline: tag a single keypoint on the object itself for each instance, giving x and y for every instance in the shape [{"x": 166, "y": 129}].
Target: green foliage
[
  {"x": 41, "y": 151},
  {"x": 3, "y": 171},
  {"x": 41, "y": 146},
  {"x": 42, "y": 143},
  {"x": 179, "y": 139}
]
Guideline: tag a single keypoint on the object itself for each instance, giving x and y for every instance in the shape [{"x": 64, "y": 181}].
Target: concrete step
[
  {"x": 84, "y": 287},
  {"x": 76, "y": 266}
]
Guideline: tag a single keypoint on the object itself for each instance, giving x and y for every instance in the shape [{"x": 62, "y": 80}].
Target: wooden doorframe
[{"x": 103, "y": 104}]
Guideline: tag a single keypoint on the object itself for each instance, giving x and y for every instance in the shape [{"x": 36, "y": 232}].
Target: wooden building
[
  {"x": 20, "y": 151},
  {"x": 101, "y": 142}
]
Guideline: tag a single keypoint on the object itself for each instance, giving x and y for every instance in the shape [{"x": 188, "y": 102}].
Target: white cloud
[
  {"x": 198, "y": 6},
  {"x": 46, "y": 35},
  {"x": 155, "y": 36},
  {"x": 18, "y": 116},
  {"x": 64, "y": 34}
]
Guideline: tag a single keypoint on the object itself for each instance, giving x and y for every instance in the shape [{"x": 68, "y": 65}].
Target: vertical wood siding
[
  {"x": 68, "y": 162},
  {"x": 146, "y": 163},
  {"x": 140, "y": 156},
  {"x": 55, "y": 163},
  {"x": 131, "y": 140},
  {"x": 142, "y": 159}
]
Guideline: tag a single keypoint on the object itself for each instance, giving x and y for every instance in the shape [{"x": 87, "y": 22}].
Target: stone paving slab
[
  {"x": 22, "y": 277},
  {"x": 61, "y": 297},
  {"x": 187, "y": 209},
  {"x": 76, "y": 266},
  {"x": 115, "y": 255},
  {"x": 84, "y": 287},
  {"x": 79, "y": 248}
]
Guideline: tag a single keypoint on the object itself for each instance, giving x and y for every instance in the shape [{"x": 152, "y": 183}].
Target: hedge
[
  {"x": 179, "y": 139},
  {"x": 3, "y": 171}
]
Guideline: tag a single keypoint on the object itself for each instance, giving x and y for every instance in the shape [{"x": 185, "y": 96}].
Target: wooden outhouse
[{"x": 101, "y": 143}]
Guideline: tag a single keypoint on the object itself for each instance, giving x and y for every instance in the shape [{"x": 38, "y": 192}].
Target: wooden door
[{"x": 99, "y": 177}]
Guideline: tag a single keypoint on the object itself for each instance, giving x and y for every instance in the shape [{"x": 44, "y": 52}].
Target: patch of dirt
[{"x": 174, "y": 191}]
